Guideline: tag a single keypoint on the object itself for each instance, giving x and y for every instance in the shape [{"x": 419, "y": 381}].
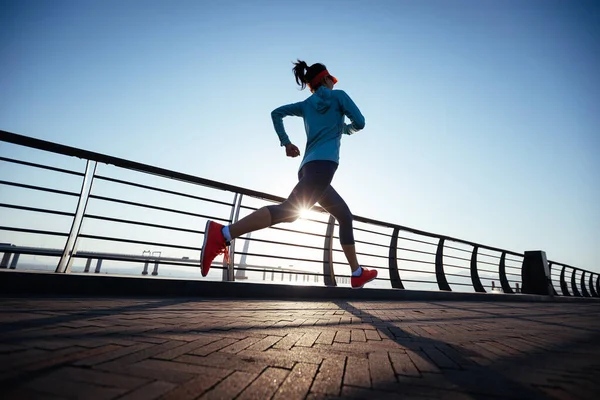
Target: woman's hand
[{"x": 291, "y": 150}]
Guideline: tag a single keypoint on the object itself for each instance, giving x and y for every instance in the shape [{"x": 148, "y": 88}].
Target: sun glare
[{"x": 305, "y": 213}]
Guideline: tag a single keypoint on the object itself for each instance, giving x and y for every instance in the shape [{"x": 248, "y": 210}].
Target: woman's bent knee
[{"x": 282, "y": 213}]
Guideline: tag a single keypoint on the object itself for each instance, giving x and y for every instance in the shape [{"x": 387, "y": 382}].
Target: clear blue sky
[{"x": 483, "y": 117}]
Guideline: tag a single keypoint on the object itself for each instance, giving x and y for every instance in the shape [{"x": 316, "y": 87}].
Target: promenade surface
[{"x": 157, "y": 348}]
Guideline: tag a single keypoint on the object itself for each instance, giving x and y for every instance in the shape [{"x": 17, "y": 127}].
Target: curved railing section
[
  {"x": 69, "y": 210},
  {"x": 574, "y": 281}
]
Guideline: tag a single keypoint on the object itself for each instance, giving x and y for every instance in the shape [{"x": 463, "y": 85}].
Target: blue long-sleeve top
[{"x": 323, "y": 113}]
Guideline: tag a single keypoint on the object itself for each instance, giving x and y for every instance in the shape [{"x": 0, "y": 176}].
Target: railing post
[
  {"x": 393, "y": 261},
  {"x": 98, "y": 266},
  {"x": 574, "y": 283},
  {"x": 550, "y": 264},
  {"x": 228, "y": 269},
  {"x": 598, "y": 285},
  {"x": 535, "y": 274},
  {"x": 439, "y": 267},
  {"x": 328, "y": 273},
  {"x": 592, "y": 289},
  {"x": 564, "y": 287},
  {"x": 241, "y": 271},
  {"x": 15, "y": 260},
  {"x": 474, "y": 273},
  {"x": 5, "y": 260},
  {"x": 70, "y": 245},
  {"x": 502, "y": 271},
  {"x": 584, "y": 291},
  {"x": 88, "y": 264}
]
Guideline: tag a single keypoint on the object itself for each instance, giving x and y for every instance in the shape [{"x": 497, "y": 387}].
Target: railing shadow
[{"x": 466, "y": 376}]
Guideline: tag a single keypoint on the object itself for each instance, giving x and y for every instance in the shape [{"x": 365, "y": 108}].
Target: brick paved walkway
[{"x": 61, "y": 348}]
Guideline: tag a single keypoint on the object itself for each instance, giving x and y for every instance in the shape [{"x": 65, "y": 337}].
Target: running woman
[{"x": 323, "y": 113}]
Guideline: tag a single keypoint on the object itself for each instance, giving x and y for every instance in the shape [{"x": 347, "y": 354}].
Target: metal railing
[{"x": 64, "y": 208}]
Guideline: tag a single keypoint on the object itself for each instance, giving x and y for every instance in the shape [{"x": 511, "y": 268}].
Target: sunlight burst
[{"x": 305, "y": 213}]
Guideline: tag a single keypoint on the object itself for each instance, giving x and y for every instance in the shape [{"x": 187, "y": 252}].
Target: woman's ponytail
[{"x": 299, "y": 69}]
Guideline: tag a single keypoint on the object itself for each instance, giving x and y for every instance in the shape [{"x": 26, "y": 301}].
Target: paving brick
[
  {"x": 149, "y": 372},
  {"x": 421, "y": 330},
  {"x": 230, "y": 387},
  {"x": 310, "y": 322},
  {"x": 357, "y": 335},
  {"x": 321, "y": 396},
  {"x": 116, "y": 352},
  {"x": 265, "y": 385},
  {"x": 74, "y": 389},
  {"x": 240, "y": 345},
  {"x": 50, "y": 344},
  {"x": 150, "y": 351},
  {"x": 477, "y": 354},
  {"x": 357, "y": 372},
  {"x": 288, "y": 341},
  {"x": 192, "y": 389},
  {"x": 329, "y": 378},
  {"x": 372, "y": 334},
  {"x": 350, "y": 392},
  {"x": 185, "y": 348},
  {"x": 490, "y": 348},
  {"x": 264, "y": 344},
  {"x": 342, "y": 337},
  {"x": 326, "y": 337},
  {"x": 178, "y": 365},
  {"x": 229, "y": 334},
  {"x": 213, "y": 346},
  {"x": 153, "y": 390},
  {"x": 403, "y": 364},
  {"x": 383, "y": 345},
  {"x": 226, "y": 361},
  {"x": 97, "y": 377},
  {"x": 286, "y": 359},
  {"x": 139, "y": 338},
  {"x": 28, "y": 394},
  {"x": 428, "y": 393},
  {"x": 439, "y": 358},
  {"x": 308, "y": 339},
  {"x": 557, "y": 393},
  {"x": 29, "y": 356},
  {"x": 580, "y": 389},
  {"x": 381, "y": 369},
  {"x": 422, "y": 362},
  {"x": 451, "y": 351},
  {"x": 297, "y": 383}
]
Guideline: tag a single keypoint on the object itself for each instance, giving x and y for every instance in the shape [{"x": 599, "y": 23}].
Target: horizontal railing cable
[
  {"x": 39, "y": 188},
  {"x": 34, "y": 231},
  {"x": 160, "y": 190},
  {"x": 35, "y": 209},
  {"x": 132, "y": 241},
  {"x": 158, "y": 208},
  {"x": 41, "y": 166},
  {"x": 140, "y": 223}
]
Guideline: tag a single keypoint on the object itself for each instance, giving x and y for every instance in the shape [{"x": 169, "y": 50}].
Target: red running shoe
[
  {"x": 367, "y": 276},
  {"x": 214, "y": 244}
]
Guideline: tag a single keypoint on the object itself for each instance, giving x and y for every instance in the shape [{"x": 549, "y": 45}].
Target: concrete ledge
[{"x": 45, "y": 283}]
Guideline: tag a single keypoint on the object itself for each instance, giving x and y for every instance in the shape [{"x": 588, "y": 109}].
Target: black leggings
[{"x": 314, "y": 186}]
